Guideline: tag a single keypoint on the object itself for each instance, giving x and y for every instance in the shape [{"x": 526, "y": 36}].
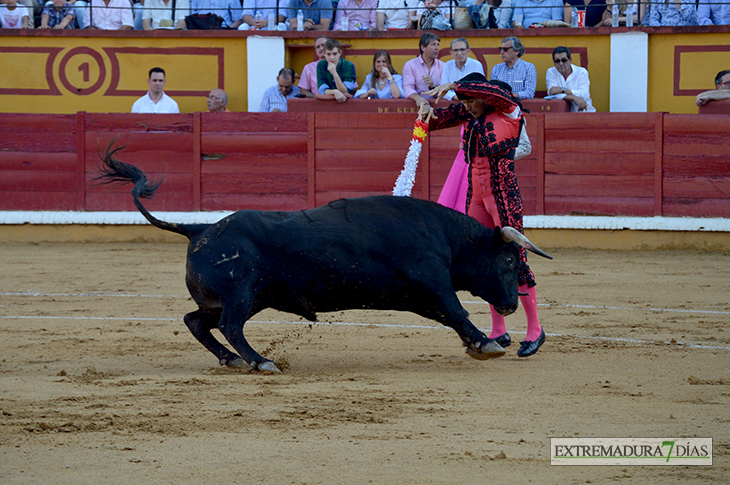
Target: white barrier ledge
[{"x": 605, "y": 223}]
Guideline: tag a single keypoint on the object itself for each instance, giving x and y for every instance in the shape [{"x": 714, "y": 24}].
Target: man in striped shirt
[
  {"x": 519, "y": 74},
  {"x": 275, "y": 97}
]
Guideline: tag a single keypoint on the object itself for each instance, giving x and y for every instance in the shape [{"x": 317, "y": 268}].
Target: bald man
[{"x": 217, "y": 101}]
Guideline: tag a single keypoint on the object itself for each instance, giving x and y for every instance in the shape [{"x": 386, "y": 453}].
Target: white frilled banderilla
[{"x": 407, "y": 177}]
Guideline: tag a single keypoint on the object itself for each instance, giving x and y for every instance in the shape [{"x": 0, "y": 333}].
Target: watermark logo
[{"x": 631, "y": 451}]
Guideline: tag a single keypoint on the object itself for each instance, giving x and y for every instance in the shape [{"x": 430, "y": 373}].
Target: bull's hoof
[
  {"x": 488, "y": 350},
  {"x": 237, "y": 362},
  {"x": 268, "y": 366}
]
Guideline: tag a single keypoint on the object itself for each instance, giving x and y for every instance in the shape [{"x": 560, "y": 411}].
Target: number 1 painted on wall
[{"x": 85, "y": 68}]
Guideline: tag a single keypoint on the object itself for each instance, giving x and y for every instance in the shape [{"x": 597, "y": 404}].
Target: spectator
[
  {"x": 155, "y": 101},
  {"x": 360, "y": 16},
  {"x": 383, "y": 82},
  {"x": 396, "y": 14},
  {"x": 519, "y": 74},
  {"x": 229, "y": 10},
  {"x": 109, "y": 15},
  {"x": 569, "y": 82},
  {"x": 14, "y": 16},
  {"x": 664, "y": 13},
  {"x": 308, "y": 79},
  {"x": 721, "y": 91},
  {"x": 424, "y": 72},
  {"x": 500, "y": 13},
  {"x": 274, "y": 100},
  {"x": 217, "y": 101},
  {"x": 444, "y": 7},
  {"x": 622, "y": 7},
  {"x": 34, "y": 8},
  {"x": 158, "y": 14},
  {"x": 58, "y": 15},
  {"x": 460, "y": 65},
  {"x": 528, "y": 12},
  {"x": 256, "y": 15},
  {"x": 713, "y": 12},
  {"x": 317, "y": 14},
  {"x": 336, "y": 76},
  {"x": 594, "y": 11}
]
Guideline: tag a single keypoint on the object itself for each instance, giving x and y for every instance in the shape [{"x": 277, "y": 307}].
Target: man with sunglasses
[
  {"x": 569, "y": 82},
  {"x": 721, "y": 91},
  {"x": 519, "y": 74}
]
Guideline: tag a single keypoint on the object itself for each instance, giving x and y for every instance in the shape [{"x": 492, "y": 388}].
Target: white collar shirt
[
  {"x": 578, "y": 82},
  {"x": 145, "y": 105},
  {"x": 452, "y": 73}
]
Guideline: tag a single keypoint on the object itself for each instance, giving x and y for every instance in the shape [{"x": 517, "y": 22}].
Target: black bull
[{"x": 380, "y": 252}]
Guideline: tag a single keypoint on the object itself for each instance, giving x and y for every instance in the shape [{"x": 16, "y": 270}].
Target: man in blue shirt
[
  {"x": 519, "y": 74},
  {"x": 229, "y": 10},
  {"x": 317, "y": 14},
  {"x": 274, "y": 100},
  {"x": 713, "y": 12},
  {"x": 528, "y": 12}
]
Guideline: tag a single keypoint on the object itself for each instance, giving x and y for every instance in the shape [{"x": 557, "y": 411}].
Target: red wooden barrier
[{"x": 639, "y": 164}]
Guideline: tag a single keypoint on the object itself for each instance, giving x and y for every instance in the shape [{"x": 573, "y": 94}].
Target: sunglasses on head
[{"x": 561, "y": 61}]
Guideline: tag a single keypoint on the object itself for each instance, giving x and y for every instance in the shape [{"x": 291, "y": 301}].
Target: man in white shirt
[
  {"x": 155, "y": 101},
  {"x": 395, "y": 14},
  {"x": 158, "y": 14},
  {"x": 569, "y": 82},
  {"x": 109, "y": 15},
  {"x": 460, "y": 65}
]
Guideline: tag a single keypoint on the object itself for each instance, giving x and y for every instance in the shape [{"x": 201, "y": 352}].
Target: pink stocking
[
  {"x": 498, "y": 326},
  {"x": 529, "y": 302}
]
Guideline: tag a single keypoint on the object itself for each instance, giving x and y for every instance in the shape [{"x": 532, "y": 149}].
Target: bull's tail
[{"x": 116, "y": 172}]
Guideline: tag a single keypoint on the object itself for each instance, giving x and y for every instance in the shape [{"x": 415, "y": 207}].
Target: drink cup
[{"x": 581, "y": 18}]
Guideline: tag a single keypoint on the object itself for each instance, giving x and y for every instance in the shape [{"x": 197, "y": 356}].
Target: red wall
[{"x": 638, "y": 164}]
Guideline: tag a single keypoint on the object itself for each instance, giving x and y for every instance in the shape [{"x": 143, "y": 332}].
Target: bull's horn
[{"x": 510, "y": 234}]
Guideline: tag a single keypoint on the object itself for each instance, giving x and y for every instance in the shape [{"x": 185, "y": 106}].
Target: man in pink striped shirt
[
  {"x": 109, "y": 15},
  {"x": 424, "y": 72},
  {"x": 360, "y": 14}
]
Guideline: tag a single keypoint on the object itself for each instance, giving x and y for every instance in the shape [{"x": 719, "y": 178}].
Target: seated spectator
[
  {"x": 229, "y": 10},
  {"x": 336, "y": 76},
  {"x": 58, "y": 15},
  {"x": 423, "y": 73},
  {"x": 109, "y": 15},
  {"x": 500, "y": 16},
  {"x": 274, "y": 100},
  {"x": 256, "y": 15},
  {"x": 156, "y": 101},
  {"x": 672, "y": 14},
  {"x": 721, "y": 91},
  {"x": 34, "y": 8},
  {"x": 14, "y": 16},
  {"x": 713, "y": 12},
  {"x": 360, "y": 14},
  {"x": 158, "y": 14},
  {"x": 425, "y": 8},
  {"x": 594, "y": 11},
  {"x": 383, "y": 82},
  {"x": 519, "y": 74},
  {"x": 528, "y": 12},
  {"x": 308, "y": 79},
  {"x": 317, "y": 14},
  {"x": 622, "y": 8},
  {"x": 217, "y": 101},
  {"x": 460, "y": 66},
  {"x": 396, "y": 14},
  {"x": 569, "y": 82}
]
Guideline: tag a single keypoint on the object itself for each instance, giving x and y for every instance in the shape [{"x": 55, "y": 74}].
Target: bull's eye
[{"x": 510, "y": 260}]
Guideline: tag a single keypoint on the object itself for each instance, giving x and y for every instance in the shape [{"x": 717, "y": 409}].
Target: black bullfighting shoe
[
  {"x": 530, "y": 348},
  {"x": 504, "y": 340}
]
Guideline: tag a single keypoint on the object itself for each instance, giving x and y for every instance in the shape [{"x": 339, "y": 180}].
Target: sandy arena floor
[{"x": 101, "y": 382}]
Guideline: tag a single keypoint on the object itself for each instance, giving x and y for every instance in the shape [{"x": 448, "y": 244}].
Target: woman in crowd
[
  {"x": 672, "y": 13},
  {"x": 383, "y": 82}
]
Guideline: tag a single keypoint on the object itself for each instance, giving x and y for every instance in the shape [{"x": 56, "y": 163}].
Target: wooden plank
[
  {"x": 680, "y": 207},
  {"x": 368, "y": 181},
  {"x": 196, "y": 162},
  {"x": 311, "y": 161},
  {"x": 234, "y": 202},
  {"x": 597, "y": 122},
  {"x": 39, "y": 123},
  {"x": 45, "y": 142},
  {"x": 80, "y": 158},
  {"x": 139, "y": 141},
  {"x": 261, "y": 142},
  {"x": 683, "y": 124},
  {"x": 697, "y": 165},
  {"x": 38, "y": 181},
  {"x": 609, "y": 206},
  {"x": 152, "y": 163},
  {"x": 18, "y": 200},
  {"x": 598, "y": 163},
  {"x": 585, "y": 144},
  {"x": 242, "y": 163},
  {"x": 700, "y": 145},
  {"x": 697, "y": 187},
  {"x": 357, "y": 159},
  {"x": 658, "y": 163},
  {"x": 599, "y": 185},
  {"x": 540, "y": 169},
  {"x": 258, "y": 183},
  {"x": 64, "y": 161},
  {"x": 366, "y": 120},
  {"x": 134, "y": 123},
  {"x": 363, "y": 139},
  {"x": 171, "y": 182},
  {"x": 326, "y": 196},
  {"x": 118, "y": 201},
  {"x": 253, "y": 122}
]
